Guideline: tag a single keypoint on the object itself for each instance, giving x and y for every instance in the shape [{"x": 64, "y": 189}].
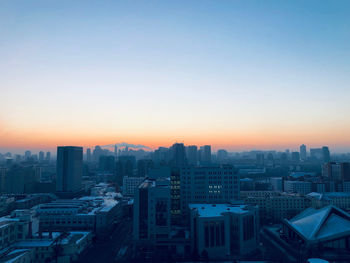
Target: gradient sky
[{"x": 234, "y": 74}]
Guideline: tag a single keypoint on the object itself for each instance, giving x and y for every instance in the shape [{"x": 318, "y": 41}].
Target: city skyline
[{"x": 237, "y": 75}]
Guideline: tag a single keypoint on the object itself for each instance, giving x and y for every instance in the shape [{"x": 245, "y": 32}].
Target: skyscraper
[
  {"x": 88, "y": 155},
  {"x": 326, "y": 154},
  {"x": 41, "y": 156},
  {"x": 178, "y": 155},
  {"x": 192, "y": 154},
  {"x": 48, "y": 156},
  {"x": 69, "y": 169},
  {"x": 303, "y": 152},
  {"x": 206, "y": 154}
]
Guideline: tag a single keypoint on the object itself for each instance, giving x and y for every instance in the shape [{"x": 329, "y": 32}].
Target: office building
[
  {"x": 130, "y": 184},
  {"x": 223, "y": 231},
  {"x": 69, "y": 169},
  {"x": 217, "y": 184},
  {"x": 152, "y": 218}
]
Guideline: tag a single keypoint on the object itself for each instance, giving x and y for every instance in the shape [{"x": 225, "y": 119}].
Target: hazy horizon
[{"x": 233, "y": 74}]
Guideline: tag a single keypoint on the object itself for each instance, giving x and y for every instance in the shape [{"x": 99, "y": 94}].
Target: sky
[{"x": 234, "y": 74}]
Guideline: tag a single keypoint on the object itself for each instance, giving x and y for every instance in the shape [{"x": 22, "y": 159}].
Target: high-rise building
[
  {"x": 206, "y": 154},
  {"x": 152, "y": 212},
  {"x": 336, "y": 171},
  {"x": 221, "y": 155},
  {"x": 326, "y": 154},
  {"x": 27, "y": 155},
  {"x": 178, "y": 155},
  {"x": 48, "y": 156},
  {"x": 106, "y": 163},
  {"x": 69, "y": 169},
  {"x": 215, "y": 184},
  {"x": 41, "y": 156},
  {"x": 303, "y": 154},
  {"x": 192, "y": 155},
  {"x": 116, "y": 151},
  {"x": 88, "y": 155},
  {"x": 295, "y": 156}
]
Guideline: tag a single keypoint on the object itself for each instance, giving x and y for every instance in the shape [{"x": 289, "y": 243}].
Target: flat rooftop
[{"x": 213, "y": 210}]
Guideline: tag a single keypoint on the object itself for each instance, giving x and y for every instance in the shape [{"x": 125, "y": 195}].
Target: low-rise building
[
  {"x": 90, "y": 213},
  {"x": 221, "y": 231}
]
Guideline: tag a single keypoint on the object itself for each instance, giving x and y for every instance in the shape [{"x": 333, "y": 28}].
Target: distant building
[
  {"x": 303, "y": 154},
  {"x": 192, "y": 154},
  {"x": 88, "y": 155},
  {"x": 205, "y": 154},
  {"x": 295, "y": 156},
  {"x": 178, "y": 155},
  {"x": 336, "y": 171},
  {"x": 143, "y": 167},
  {"x": 48, "y": 156},
  {"x": 221, "y": 155},
  {"x": 316, "y": 153},
  {"x": 326, "y": 154},
  {"x": 41, "y": 156},
  {"x": 222, "y": 230},
  {"x": 300, "y": 187},
  {"x": 69, "y": 169}
]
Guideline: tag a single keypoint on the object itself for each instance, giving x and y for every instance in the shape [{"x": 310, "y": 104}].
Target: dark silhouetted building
[
  {"x": 192, "y": 154},
  {"x": 69, "y": 169}
]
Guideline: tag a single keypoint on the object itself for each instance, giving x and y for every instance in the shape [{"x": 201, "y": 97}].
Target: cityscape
[
  {"x": 195, "y": 131},
  {"x": 183, "y": 203}
]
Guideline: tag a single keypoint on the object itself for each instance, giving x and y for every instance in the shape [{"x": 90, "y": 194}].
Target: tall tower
[
  {"x": 178, "y": 155},
  {"x": 303, "y": 152},
  {"x": 326, "y": 154},
  {"x": 206, "y": 154},
  {"x": 192, "y": 154},
  {"x": 69, "y": 169}
]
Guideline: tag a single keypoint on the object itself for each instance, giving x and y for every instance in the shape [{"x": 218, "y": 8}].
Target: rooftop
[
  {"x": 326, "y": 223},
  {"x": 213, "y": 210}
]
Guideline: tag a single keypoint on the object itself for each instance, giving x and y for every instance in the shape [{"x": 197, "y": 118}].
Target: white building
[
  {"x": 130, "y": 184},
  {"x": 223, "y": 230}
]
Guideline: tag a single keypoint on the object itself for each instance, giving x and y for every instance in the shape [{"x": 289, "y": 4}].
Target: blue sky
[{"x": 236, "y": 74}]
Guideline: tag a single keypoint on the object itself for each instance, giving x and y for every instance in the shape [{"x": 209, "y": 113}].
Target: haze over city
[{"x": 238, "y": 75}]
